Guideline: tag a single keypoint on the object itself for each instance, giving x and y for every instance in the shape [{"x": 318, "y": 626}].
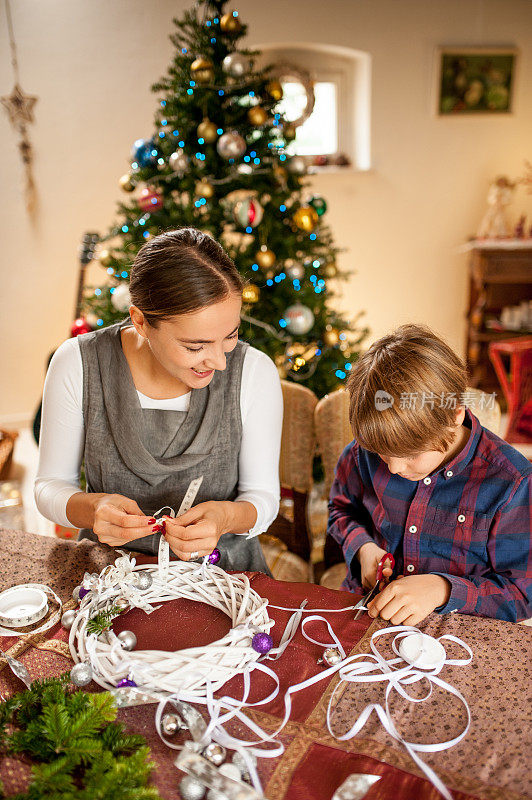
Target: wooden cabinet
[{"x": 500, "y": 274}]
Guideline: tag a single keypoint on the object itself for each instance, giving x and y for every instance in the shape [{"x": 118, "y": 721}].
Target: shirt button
[
  {"x": 412, "y": 529},
  {"x": 410, "y": 568},
  {"x": 461, "y": 518},
  {"x": 426, "y": 481},
  {"x": 449, "y": 473}
]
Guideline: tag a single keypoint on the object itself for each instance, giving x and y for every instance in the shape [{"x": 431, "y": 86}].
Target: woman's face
[{"x": 191, "y": 346}]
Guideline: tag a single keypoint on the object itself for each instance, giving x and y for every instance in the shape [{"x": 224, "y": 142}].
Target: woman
[{"x": 165, "y": 397}]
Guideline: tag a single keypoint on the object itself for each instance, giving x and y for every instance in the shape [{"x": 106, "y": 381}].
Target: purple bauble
[
  {"x": 125, "y": 682},
  {"x": 83, "y": 592},
  {"x": 262, "y": 643},
  {"x": 214, "y": 556}
]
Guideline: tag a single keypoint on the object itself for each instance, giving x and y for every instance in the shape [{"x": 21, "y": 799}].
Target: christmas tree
[{"x": 218, "y": 161}]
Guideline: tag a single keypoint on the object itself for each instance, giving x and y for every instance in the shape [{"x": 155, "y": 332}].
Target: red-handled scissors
[{"x": 380, "y": 577}]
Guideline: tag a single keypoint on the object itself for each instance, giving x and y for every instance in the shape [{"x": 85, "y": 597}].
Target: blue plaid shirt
[{"x": 469, "y": 521}]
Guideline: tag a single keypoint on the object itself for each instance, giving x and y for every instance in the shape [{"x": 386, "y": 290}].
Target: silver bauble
[
  {"x": 128, "y": 640},
  {"x": 178, "y": 161},
  {"x": 299, "y": 319},
  {"x": 237, "y": 64},
  {"x": 81, "y": 674},
  {"x": 332, "y": 656},
  {"x": 191, "y": 789},
  {"x": 238, "y": 761},
  {"x": 144, "y": 580},
  {"x": 231, "y": 145},
  {"x": 215, "y": 753},
  {"x": 296, "y": 165},
  {"x": 75, "y": 594},
  {"x": 67, "y": 620},
  {"x": 121, "y": 298},
  {"x": 295, "y": 272},
  {"x": 171, "y": 724}
]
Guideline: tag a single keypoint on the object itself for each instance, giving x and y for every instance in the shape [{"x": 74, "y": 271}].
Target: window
[{"x": 337, "y": 131}]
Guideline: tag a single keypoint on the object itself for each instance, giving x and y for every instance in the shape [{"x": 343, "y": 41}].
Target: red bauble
[
  {"x": 80, "y": 325},
  {"x": 150, "y": 199}
]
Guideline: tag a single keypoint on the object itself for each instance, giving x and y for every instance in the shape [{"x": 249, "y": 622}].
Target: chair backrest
[
  {"x": 333, "y": 431},
  {"x": 298, "y": 440},
  {"x": 298, "y": 446}
]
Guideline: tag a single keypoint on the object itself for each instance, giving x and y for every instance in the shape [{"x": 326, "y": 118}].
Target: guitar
[{"x": 86, "y": 255}]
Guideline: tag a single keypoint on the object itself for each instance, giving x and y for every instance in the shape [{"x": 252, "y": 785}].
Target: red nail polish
[
  {"x": 157, "y": 529},
  {"x": 151, "y": 520}
]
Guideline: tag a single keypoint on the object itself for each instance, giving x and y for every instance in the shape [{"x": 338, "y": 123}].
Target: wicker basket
[{"x": 7, "y": 445}]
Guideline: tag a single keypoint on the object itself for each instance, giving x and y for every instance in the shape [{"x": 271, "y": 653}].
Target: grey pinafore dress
[{"x": 151, "y": 455}]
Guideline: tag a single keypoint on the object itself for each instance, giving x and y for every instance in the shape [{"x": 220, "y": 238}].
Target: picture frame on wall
[{"x": 474, "y": 80}]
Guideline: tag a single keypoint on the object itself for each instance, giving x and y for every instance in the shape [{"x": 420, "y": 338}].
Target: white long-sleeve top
[{"x": 63, "y": 434}]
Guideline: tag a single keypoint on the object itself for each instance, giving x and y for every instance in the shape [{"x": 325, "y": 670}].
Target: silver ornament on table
[
  {"x": 295, "y": 271},
  {"x": 67, "y": 620},
  {"x": 81, "y": 674},
  {"x": 191, "y": 789},
  {"x": 128, "y": 640},
  {"x": 144, "y": 580},
  {"x": 238, "y": 761},
  {"x": 171, "y": 724},
  {"x": 179, "y": 162},
  {"x": 121, "y": 297},
  {"x": 331, "y": 657},
  {"x": 296, "y": 165},
  {"x": 215, "y": 753},
  {"x": 231, "y": 145},
  {"x": 237, "y": 64},
  {"x": 299, "y": 319}
]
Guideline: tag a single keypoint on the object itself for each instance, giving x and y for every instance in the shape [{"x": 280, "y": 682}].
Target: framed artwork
[{"x": 475, "y": 80}]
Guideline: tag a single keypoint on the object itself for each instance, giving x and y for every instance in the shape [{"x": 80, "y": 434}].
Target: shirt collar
[{"x": 462, "y": 459}]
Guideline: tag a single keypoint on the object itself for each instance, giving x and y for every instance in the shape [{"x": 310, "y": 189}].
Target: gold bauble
[
  {"x": 202, "y": 70},
  {"x": 331, "y": 337},
  {"x": 289, "y": 132},
  {"x": 126, "y": 183},
  {"x": 257, "y": 116},
  {"x": 105, "y": 258},
  {"x": 207, "y": 131},
  {"x": 275, "y": 90},
  {"x": 204, "y": 189},
  {"x": 230, "y": 24},
  {"x": 331, "y": 271},
  {"x": 306, "y": 218},
  {"x": 250, "y": 293},
  {"x": 265, "y": 258}
]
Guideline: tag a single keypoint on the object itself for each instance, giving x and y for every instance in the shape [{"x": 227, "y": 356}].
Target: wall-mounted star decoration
[{"x": 19, "y": 106}]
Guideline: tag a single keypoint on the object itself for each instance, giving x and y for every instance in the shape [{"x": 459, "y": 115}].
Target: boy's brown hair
[{"x": 422, "y": 374}]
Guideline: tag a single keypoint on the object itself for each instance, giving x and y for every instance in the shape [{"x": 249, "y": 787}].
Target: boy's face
[{"x": 419, "y": 465}]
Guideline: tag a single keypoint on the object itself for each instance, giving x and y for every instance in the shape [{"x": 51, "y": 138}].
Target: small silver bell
[
  {"x": 171, "y": 724},
  {"x": 67, "y": 620},
  {"x": 191, "y": 789},
  {"x": 127, "y": 639},
  {"x": 331, "y": 657},
  {"x": 144, "y": 580},
  {"x": 215, "y": 753}
]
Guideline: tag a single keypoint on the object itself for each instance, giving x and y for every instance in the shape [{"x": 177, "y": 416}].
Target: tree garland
[{"x": 78, "y": 751}]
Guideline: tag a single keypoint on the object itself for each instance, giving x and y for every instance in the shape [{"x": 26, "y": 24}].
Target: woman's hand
[
  {"x": 369, "y": 556},
  {"x": 196, "y": 532},
  {"x": 118, "y": 520},
  {"x": 408, "y": 600}
]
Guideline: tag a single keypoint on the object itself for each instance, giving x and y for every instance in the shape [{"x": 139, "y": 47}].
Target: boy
[{"x": 424, "y": 480}]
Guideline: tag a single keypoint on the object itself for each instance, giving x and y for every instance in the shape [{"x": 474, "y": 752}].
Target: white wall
[{"x": 91, "y": 63}]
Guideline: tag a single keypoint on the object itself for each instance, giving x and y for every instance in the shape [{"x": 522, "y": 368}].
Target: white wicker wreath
[{"x": 161, "y": 672}]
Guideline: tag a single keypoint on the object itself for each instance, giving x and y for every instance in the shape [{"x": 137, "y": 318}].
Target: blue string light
[
  {"x": 246, "y": 159},
  {"x": 97, "y": 292},
  {"x": 164, "y": 122},
  {"x": 253, "y": 154},
  {"x": 282, "y": 207},
  {"x": 342, "y": 336},
  {"x": 340, "y": 374},
  {"x": 282, "y": 158},
  {"x": 312, "y": 236},
  {"x": 254, "y": 267},
  {"x": 190, "y": 91},
  {"x": 112, "y": 291},
  {"x": 252, "y": 94},
  {"x": 256, "y": 160},
  {"x": 146, "y": 234},
  {"x": 192, "y": 83},
  {"x": 313, "y": 279},
  {"x": 318, "y": 352},
  {"x": 269, "y": 282},
  {"x": 249, "y": 229},
  {"x": 283, "y": 323},
  {"x": 282, "y": 275},
  {"x": 231, "y": 161},
  {"x": 316, "y": 263},
  {"x": 235, "y": 13},
  {"x": 99, "y": 322},
  {"x": 161, "y": 134},
  {"x": 216, "y": 20},
  {"x": 213, "y": 40},
  {"x": 163, "y": 103},
  {"x": 124, "y": 274},
  {"x": 201, "y": 140},
  {"x": 160, "y": 161},
  {"x": 175, "y": 133},
  {"x": 347, "y": 365},
  {"x": 181, "y": 143},
  {"x": 142, "y": 221},
  {"x": 184, "y": 50},
  {"x": 219, "y": 131},
  {"x": 221, "y": 92},
  {"x": 125, "y": 228},
  {"x": 277, "y": 279},
  {"x": 208, "y": 23},
  {"x": 134, "y": 165},
  {"x": 110, "y": 270}
]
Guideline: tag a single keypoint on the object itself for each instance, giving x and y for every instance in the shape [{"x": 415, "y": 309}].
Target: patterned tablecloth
[{"x": 490, "y": 763}]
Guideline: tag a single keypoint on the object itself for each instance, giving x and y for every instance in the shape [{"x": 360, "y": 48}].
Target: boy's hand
[
  {"x": 369, "y": 556},
  {"x": 408, "y": 600}
]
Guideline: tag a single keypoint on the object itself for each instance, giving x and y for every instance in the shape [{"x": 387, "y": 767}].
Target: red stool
[{"x": 516, "y": 385}]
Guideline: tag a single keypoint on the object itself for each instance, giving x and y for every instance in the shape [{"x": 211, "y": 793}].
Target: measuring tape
[{"x": 186, "y": 503}]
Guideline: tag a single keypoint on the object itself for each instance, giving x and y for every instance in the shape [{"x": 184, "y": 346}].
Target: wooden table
[{"x": 490, "y": 763}]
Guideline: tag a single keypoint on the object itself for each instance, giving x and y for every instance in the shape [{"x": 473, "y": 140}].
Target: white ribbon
[{"x": 50, "y": 622}]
